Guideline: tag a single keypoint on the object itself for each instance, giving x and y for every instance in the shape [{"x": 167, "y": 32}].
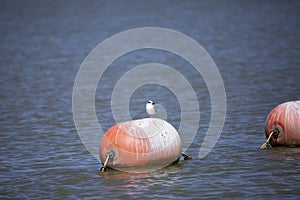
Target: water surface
[{"x": 254, "y": 44}]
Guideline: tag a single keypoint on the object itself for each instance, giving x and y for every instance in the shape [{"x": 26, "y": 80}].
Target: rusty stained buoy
[
  {"x": 140, "y": 145},
  {"x": 283, "y": 122}
]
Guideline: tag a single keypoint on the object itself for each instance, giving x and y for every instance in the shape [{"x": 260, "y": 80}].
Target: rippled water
[{"x": 254, "y": 44}]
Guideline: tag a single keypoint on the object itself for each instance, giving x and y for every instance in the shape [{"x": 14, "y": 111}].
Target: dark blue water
[{"x": 43, "y": 43}]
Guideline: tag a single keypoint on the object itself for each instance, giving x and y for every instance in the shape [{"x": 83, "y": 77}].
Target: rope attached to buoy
[
  {"x": 267, "y": 143},
  {"x": 103, "y": 168},
  {"x": 186, "y": 156}
]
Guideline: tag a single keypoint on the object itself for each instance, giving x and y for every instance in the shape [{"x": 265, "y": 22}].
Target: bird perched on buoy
[{"x": 150, "y": 108}]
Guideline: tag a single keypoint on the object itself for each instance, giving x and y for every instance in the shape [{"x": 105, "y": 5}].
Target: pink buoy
[
  {"x": 283, "y": 123},
  {"x": 140, "y": 145}
]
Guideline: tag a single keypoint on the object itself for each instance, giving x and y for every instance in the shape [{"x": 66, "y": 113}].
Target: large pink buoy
[
  {"x": 140, "y": 145},
  {"x": 283, "y": 123}
]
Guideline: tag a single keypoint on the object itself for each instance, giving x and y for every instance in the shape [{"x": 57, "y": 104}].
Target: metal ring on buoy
[
  {"x": 113, "y": 154},
  {"x": 277, "y": 131}
]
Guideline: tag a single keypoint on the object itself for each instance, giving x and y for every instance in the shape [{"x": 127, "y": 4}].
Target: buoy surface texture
[
  {"x": 141, "y": 145},
  {"x": 284, "y": 122}
]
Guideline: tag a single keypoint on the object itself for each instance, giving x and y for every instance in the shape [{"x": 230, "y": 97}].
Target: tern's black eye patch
[{"x": 150, "y": 102}]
